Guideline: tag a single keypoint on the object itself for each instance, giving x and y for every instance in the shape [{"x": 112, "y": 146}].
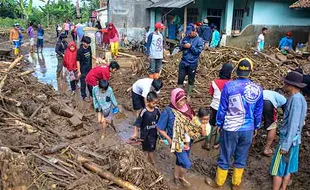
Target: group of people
[
  {"x": 16, "y": 38},
  {"x": 237, "y": 110}
]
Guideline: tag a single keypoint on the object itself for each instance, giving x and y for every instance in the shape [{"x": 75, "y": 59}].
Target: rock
[
  {"x": 290, "y": 56},
  {"x": 281, "y": 57},
  {"x": 75, "y": 122}
]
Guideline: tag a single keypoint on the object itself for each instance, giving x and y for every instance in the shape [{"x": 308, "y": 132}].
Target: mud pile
[{"x": 50, "y": 141}]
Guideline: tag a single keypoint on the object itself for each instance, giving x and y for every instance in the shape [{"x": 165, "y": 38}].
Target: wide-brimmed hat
[
  {"x": 294, "y": 78},
  {"x": 245, "y": 67}
]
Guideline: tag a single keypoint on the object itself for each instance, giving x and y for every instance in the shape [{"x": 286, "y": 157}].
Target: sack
[{"x": 72, "y": 75}]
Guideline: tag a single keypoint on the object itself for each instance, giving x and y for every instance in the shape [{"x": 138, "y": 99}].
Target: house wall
[
  {"x": 130, "y": 17},
  {"x": 248, "y": 37},
  {"x": 277, "y": 12}
]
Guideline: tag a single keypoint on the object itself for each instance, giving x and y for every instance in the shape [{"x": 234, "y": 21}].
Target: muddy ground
[{"x": 22, "y": 169}]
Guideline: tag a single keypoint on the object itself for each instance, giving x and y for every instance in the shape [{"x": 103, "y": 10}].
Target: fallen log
[
  {"x": 54, "y": 165},
  {"x": 26, "y": 72},
  {"x": 36, "y": 111},
  {"x": 14, "y": 63},
  {"x": 106, "y": 174},
  {"x": 78, "y": 135},
  {"x": 66, "y": 111},
  {"x": 56, "y": 148},
  {"x": 11, "y": 100}
]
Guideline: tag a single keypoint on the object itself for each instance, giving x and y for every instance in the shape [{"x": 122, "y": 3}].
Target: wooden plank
[{"x": 185, "y": 19}]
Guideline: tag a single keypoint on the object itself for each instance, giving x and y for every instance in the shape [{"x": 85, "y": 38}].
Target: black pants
[
  {"x": 83, "y": 87},
  {"x": 57, "y": 32},
  {"x": 73, "y": 85},
  {"x": 73, "y": 36},
  {"x": 189, "y": 70}
]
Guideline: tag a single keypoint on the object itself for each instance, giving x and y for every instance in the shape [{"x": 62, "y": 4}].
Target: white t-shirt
[
  {"x": 157, "y": 47},
  {"x": 142, "y": 86},
  {"x": 261, "y": 42}
]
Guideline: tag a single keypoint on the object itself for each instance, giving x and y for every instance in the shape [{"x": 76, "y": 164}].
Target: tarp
[{"x": 171, "y": 3}]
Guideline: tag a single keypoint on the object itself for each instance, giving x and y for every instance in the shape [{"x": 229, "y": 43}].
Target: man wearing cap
[
  {"x": 239, "y": 116},
  {"x": 84, "y": 65},
  {"x": 285, "y": 160},
  {"x": 14, "y": 38},
  {"x": 286, "y": 43},
  {"x": 205, "y": 33},
  {"x": 155, "y": 50},
  {"x": 191, "y": 46}
]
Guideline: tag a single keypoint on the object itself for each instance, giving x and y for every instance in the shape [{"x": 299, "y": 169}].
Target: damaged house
[{"x": 240, "y": 20}]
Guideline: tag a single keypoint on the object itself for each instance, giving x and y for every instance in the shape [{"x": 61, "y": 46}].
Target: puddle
[{"x": 45, "y": 65}]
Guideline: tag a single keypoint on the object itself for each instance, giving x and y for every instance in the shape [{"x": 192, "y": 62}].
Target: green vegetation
[{"x": 23, "y": 12}]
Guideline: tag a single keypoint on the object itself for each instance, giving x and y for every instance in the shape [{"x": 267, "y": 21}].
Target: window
[
  {"x": 214, "y": 13},
  {"x": 238, "y": 19},
  {"x": 192, "y": 15}
]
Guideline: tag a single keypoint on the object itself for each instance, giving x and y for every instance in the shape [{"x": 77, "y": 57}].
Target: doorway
[{"x": 215, "y": 17}]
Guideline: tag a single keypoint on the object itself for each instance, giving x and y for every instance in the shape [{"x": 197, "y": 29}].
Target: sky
[{"x": 38, "y": 3}]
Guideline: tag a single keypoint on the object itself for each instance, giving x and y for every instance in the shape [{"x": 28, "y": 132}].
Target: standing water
[{"x": 45, "y": 65}]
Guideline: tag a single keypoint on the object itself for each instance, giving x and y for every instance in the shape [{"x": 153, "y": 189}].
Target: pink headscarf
[{"x": 177, "y": 95}]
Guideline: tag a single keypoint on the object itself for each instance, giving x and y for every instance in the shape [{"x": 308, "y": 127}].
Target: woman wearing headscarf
[
  {"x": 174, "y": 124},
  {"x": 69, "y": 63},
  {"x": 215, "y": 91},
  {"x": 114, "y": 39}
]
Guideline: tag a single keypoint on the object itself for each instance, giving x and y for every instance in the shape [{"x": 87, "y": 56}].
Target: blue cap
[
  {"x": 115, "y": 110},
  {"x": 189, "y": 29}
]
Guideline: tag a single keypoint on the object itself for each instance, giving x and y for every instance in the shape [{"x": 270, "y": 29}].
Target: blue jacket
[
  {"x": 191, "y": 55},
  {"x": 286, "y": 42},
  {"x": 241, "y": 106},
  {"x": 293, "y": 121},
  {"x": 205, "y": 33},
  {"x": 216, "y": 38}
]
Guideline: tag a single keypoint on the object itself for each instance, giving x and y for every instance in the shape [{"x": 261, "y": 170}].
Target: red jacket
[
  {"x": 70, "y": 57},
  {"x": 96, "y": 74},
  {"x": 219, "y": 83}
]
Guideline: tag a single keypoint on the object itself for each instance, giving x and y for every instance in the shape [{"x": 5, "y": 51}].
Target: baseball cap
[
  {"x": 189, "y": 29},
  {"x": 245, "y": 67},
  {"x": 160, "y": 25}
]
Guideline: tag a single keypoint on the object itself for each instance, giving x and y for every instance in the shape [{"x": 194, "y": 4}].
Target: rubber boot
[
  {"x": 189, "y": 91},
  {"x": 16, "y": 51},
  {"x": 216, "y": 141},
  {"x": 151, "y": 76},
  {"x": 220, "y": 178},
  {"x": 207, "y": 143},
  {"x": 237, "y": 178}
]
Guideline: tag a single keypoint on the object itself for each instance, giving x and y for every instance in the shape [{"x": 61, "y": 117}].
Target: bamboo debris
[{"x": 106, "y": 174}]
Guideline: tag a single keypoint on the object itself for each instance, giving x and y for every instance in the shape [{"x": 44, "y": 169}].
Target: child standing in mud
[
  {"x": 70, "y": 64},
  {"x": 147, "y": 121},
  {"x": 104, "y": 103},
  {"x": 84, "y": 65}
]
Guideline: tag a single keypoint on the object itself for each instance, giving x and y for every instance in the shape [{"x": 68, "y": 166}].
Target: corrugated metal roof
[
  {"x": 301, "y": 4},
  {"x": 171, "y": 3}
]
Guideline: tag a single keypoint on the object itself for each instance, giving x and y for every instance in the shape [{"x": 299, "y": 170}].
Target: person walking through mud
[
  {"x": 14, "y": 38},
  {"x": 146, "y": 121},
  {"x": 272, "y": 102},
  {"x": 285, "y": 160},
  {"x": 114, "y": 39},
  {"x": 215, "y": 90},
  {"x": 84, "y": 65},
  {"x": 60, "y": 49},
  {"x": 139, "y": 92},
  {"x": 105, "y": 104},
  {"x": 175, "y": 121},
  {"x": 40, "y": 38},
  {"x": 101, "y": 72},
  {"x": 238, "y": 117},
  {"x": 70, "y": 64},
  {"x": 191, "y": 46},
  {"x": 155, "y": 50},
  {"x": 30, "y": 33}
]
